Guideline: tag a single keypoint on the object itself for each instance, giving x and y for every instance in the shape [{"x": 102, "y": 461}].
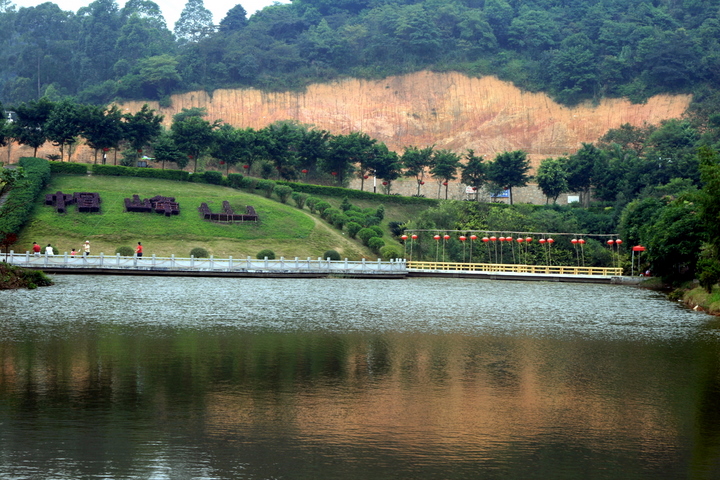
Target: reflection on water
[{"x": 130, "y": 377}]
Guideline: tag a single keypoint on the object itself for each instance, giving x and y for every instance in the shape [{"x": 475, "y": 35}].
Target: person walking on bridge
[{"x": 138, "y": 250}]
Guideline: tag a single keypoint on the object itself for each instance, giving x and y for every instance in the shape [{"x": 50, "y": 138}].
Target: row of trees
[
  {"x": 285, "y": 150},
  {"x": 574, "y": 51}
]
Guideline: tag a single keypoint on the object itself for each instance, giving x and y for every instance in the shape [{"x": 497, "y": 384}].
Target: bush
[
  {"x": 353, "y": 228},
  {"x": 321, "y": 207},
  {"x": 332, "y": 255},
  {"x": 234, "y": 180},
  {"x": 390, "y": 252},
  {"x": 377, "y": 229},
  {"x": 199, "y": 252},
  {"x": 380, "y": 212},
  {"x": 283, "y": 192},
  {"x": 267, "y": 186},
  {"x": 345, "y": 205},
  {"x": 396, "y": 228},
  {"x": 213, "y": 178},
  {"x": 339, "y": 220},
  {"x": 20, "y": 201},
  {"x": 365, "y": 234},
  {"x": 119, "y": 171},
  {"x": 66, "y": 168},
  {"x": 312, "y": 203},
  {"x": 328, "y": 213},
  {"x": 125, "y": 251},
  {"x": 299, "y": 199},
  {"x": 375, "y": 244},
  {"x": 266, "y": 253},
  {"x": 340, "y": 192}
]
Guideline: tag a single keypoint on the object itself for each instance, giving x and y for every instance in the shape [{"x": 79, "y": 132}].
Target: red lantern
[
  {"x": 473, "y": 237},
  {"x": 422, "y": 183},
  {"x": 502, "y": 239},
  {"x": 492, "y": 239},
  {"x": 542, "y": 241},
  {"x": 384, "y": 183},
  {"x": 246, "y": 167},
  {"x": 222, "y": 162},
  {"x": 581, "y": 241},
  {"x": 528, "y": 239},
  {"x": 304, "y": 170},
  {"x": 486, "y": 239},
  {"x": 404, "y": 237},
  {"x": 414, "y": 237},
  {"x": 105, "y": 149},
  {"x": 436, "y": 237},
  {"x": 189, "y": 156},
  {"x": 520, "y": 240},
  {"x": 550, "y": 240},
  {"x": 445, "y": 183},
  {"x": 462, "y": 238},
  {"x": 573, "y": 241},
  {"x": 139, "y": 150},
  {"x": 334, "y": 174},
  {"x": 618, "y": 242},
  {"x": 610, "y": 242},
  {"x": 365, "y": 177},
  {"x": 446, "y": 237},
  {"x": 474, "y": 189}
]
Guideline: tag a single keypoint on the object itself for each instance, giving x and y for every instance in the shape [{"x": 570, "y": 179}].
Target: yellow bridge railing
[{"x": 514, "y": 268}]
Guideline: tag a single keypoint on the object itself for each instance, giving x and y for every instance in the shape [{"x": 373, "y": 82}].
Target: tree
[
  {"x": 416, "y": 162},
  {"x": 159, "y": 75},
  {"x": 344, "y": 151},
  {"x": 386, "y": 165},
  {"x": 234, "y": 21},
  {"x": 165, "y": 150},
  {"x": 64, "y": 125},
  {"x": 445, "y": 166},
  {"x": 193, "y": 136},
  {"x": 195, "y": 22},
  {"x": 474, "y": 172},
  {"x": 582, "y": 168},
  {"x": 508, "y": 170},
  {"x": 29, "y": 127},
  {"x": 552, "y": 178},
  {"x": 142, "y": 127},
  {"x": 102, "y": 128},
  {"x": 229, "y": 146}
]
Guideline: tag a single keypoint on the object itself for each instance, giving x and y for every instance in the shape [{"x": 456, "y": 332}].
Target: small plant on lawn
[
  {"x": 199, "y": 252},
  {"x": 283, "y": 192},
  {"x": 267, "y": 186},
  {"x": 124, "y": 251},
  {"x": 390, "y": 252},
  {"x": 377, "y": 229},
  {"x": 365, "y": 234},
  {"x": 375, "y": 244},
  {"x": 312, "y": 202},
  {"x": 322, "y": 206},
  {"x": 338, "y": 220},
  {"x": 353, "y": 228},
  {"x": 266, "y": 253},
  {"x": 299, "y": 198},
  {"x": 332, "y": 255}
]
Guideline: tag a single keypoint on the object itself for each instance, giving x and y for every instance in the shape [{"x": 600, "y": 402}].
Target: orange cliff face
[{"x": 448, "y": 110}]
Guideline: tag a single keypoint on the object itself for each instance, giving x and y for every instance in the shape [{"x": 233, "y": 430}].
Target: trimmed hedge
[
  {"x": 66, "y": 168},
  {"x": 341, "y": 192},
  {"x": 21, "y": 200},
  {"x": 120, "y": 171}
]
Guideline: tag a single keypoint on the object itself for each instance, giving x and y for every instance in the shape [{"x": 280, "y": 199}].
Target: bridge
[{"x": 309, "y": 268}]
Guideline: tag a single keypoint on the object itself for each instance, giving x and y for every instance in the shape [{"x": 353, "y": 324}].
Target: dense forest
[{"x": 573, "y": 49}]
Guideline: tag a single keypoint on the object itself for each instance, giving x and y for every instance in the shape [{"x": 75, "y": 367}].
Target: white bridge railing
[{"x": 172, "y": 263}]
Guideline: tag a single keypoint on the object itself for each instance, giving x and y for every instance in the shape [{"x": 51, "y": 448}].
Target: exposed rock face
[{"x": 448, "y": 110}]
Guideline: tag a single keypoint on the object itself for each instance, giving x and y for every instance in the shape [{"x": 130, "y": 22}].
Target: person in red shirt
[
  {"x": 138, "y": 250},
  {"x": 36, "y": 249}
]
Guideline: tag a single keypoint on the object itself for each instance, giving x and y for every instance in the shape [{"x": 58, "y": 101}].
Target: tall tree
[
  {"x": 510, "y": 169},
  {"x": 445, "y": 167},
  {"x": 102, "y": 128},
  {"x": 582, "y": 168},
  {"x": 142, "y": 127},
  {"x": 474, "y": 172},
  {"x": 29, "y": 127},
  {"x": 417, "y": 162},
  {"x": 193, "y": 136},
  {"x": 552, "y": 178},
  {"x": 195, "y": 22},
  {"x": 64, "y": 125}
]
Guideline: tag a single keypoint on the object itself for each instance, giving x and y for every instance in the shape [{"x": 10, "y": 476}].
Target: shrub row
[
  {"x": 356, "y": 194},
  {"x": 120, "y": 171},
  {"x": 21, "y": 199},
  {"x": 67, "y": 168}
]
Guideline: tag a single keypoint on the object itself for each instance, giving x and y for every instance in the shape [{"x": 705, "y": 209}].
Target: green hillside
[{"x": 286, "y": 230}]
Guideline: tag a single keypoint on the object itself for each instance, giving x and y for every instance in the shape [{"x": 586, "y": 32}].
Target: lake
[{"x": 248, "y": 378}]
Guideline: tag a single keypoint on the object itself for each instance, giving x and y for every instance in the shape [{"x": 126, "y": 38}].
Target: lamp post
[
  {"x": 462, "y": 238},
  {"x": 446, "y": 237},
  {"x": 404, "y": 239},
  {"x": 437, "y": 246}
]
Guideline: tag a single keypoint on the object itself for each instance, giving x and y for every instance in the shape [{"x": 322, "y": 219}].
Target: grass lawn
[{"x": 286, "y": 230}]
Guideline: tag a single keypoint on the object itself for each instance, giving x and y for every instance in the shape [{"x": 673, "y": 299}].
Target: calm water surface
[{"x": 184, "y": 378}]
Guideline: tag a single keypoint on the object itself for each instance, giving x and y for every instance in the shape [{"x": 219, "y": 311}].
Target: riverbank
[
  {"x": 700, "y": 300},
  {"x": 16, "y": 277}
]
